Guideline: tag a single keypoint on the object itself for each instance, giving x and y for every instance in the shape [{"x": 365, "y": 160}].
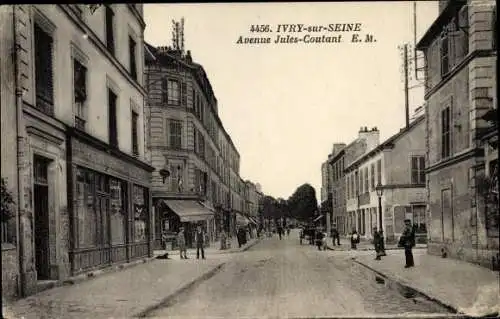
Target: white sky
[{"x": 284, "y": 105}]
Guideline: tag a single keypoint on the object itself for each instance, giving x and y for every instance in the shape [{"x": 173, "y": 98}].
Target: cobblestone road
[{"x": 283, "y": 279}]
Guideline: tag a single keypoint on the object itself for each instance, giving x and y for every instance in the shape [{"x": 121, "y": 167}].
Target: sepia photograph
[{"x": 250, "y": 160}]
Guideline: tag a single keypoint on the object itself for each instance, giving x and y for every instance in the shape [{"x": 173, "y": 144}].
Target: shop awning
[
  {"x": 190, "y": 210},
  {"x": 241, "y": 220}
]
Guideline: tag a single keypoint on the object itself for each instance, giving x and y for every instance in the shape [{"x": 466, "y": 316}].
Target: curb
[
  {"x": 370, "y": 249},
  {"x": 167, "y": 300},
  {"x": 398, "y": 281},
  {"x": 250, "y": 245},
  {"x": 96, "y": 273}
]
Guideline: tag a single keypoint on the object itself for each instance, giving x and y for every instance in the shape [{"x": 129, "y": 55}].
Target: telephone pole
[{"x": 407, "y": 106}]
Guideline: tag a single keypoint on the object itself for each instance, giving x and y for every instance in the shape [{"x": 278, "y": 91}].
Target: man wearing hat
[{"x": 181, "y": 242}]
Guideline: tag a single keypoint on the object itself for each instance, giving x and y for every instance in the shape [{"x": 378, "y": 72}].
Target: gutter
[{"x": 20, "y": 152}]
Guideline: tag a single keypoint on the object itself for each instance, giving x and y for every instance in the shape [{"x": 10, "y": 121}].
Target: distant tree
[
  {"x": 268, "y": 207},
  {"x": 7, "y": 202},
  {"x": 303, "y": 204}
]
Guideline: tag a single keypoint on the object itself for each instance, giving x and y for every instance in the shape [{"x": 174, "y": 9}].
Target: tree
[
  {"x": 303, "y": 204},
  {"x": 7, "y": 202}
]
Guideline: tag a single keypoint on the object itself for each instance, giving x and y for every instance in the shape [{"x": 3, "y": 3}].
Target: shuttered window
[{"x": 44, "y": 79}]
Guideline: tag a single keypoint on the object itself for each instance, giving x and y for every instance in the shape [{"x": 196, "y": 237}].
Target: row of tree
[{"x": 301, "y": 205}]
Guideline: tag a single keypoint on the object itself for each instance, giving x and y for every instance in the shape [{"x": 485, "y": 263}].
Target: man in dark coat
[
  {"x": 407, "y": 241},
  {"x": 335, "y": 235},
  {"x": 377, "y": 241},
  {"x": 199, "y": 238}
]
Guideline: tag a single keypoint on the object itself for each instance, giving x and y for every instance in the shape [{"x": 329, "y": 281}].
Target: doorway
[{"x": 41, "y": 216}]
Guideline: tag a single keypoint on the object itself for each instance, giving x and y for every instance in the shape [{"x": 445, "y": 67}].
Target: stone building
[
  {"x": 74, "y": 92},
  {"x": 398, "y": 167},
  {"x": 366, "y": 141},
  {"x": 460, "y": 59},
  {"x": 336, "y": 162},
  {"x": 197, "y": 180}
]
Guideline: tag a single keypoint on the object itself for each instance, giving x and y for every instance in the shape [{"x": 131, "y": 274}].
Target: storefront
[
  {"x": 109, "y": 203},
  {"x": 189, "y": 214}
]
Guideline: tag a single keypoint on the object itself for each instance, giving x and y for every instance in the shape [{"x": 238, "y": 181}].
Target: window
[
  {"x": 379, "y": 172},
  {"x": 367, "y": 185},
  {"x": 44, "y": 81},
  {"x": 184, "y": 93},
  {"x": 110, "y": 36},
  {"x": 164, "y": 91},
  {"x": 175, "y": 134},
  {"x": 135, "y": 135},
  {"x": 173, "y": 92},
  {"x": 118, "y": 212},
  {"x": 87, "y": 222},
  {"x": 445, "y": 133},
  {"x": 112, "y": 123},
  {"x": 356, "y": 184},
  {"x": 372, "y": 175},
  {"x": 132, "y": 56},
  {"x": 80, "y": 93},
  {"x": 140, "y": 206},
  {"x": 176, "y": 178},
  {"x": 418, "y": 170},
  {"x": 445, "y": 59}
]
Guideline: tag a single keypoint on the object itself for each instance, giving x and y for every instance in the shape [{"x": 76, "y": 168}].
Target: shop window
[
  {"x": 140, "y": 213},
  {"x": 118, "y": 211},
  {"x": 87, "y": 221}
]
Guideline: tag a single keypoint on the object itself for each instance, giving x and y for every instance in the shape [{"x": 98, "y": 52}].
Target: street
[{"x": 283, "y": 279}]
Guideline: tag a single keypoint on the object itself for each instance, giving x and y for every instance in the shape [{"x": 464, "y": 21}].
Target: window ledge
[{"x": 8, "y": 246}]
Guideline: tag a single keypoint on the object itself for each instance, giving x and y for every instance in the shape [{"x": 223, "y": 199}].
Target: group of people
[
  {"x": 407, "y": 241},
  {"x": 199, "y": 238}
]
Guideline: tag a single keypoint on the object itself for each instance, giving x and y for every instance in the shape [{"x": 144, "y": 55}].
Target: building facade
[
  {"x": 197, "y": 179},
  {"x": 397, "y": 166},
  {"x": 336, "y": 162},
  {"x": 366, "y": 141},
  {"x": 461, "y": 56},
  {"x": 84, "y": 178}
]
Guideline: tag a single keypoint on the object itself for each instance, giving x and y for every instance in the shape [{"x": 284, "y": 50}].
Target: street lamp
[{"x": 380, "y": 192}]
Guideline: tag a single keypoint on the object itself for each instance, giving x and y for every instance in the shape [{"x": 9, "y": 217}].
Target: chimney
[
  {"x": 188, "y": 56},
  {"x": 372, "y": 137}
]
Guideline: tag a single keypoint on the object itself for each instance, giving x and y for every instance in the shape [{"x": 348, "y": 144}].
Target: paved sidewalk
[
  {"x": 214, "y": 249},
  {"x": 122, "y": 294},
  {"x": 468, "y": 288},
  {"x": 345, "y": 244}
]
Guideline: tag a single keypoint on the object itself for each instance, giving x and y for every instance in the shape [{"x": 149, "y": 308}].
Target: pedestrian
[
  {"x": 323, "y": 240},
  {"x": 377, "y": 242},
  {"x": 280, "y": 231},
  {"x": 288, "y": 231},
  {"x": 239, "y": 235},
  {"x": 407, "y": 241},
  {"x": 354, "y": 239},
  {"x": 335, "y": 235},
  {"x": 319, "y": 238},
  {"x": 181, "y": 242},
  {"x": 223, "y": 238},
  {"x": 199, "y": 238}
]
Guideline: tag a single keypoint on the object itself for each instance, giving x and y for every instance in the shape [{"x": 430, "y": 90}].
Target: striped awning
[{"x": 189, "y": 210}]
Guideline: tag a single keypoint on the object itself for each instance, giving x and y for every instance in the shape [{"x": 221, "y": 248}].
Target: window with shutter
[
  {"x": 132, "y": 56},
  {"x": 445, "y": 60},
  {"x": 110, "y": 36},
  {"x": 418, "y": 169},
  {"x": 80, "y": 93},
  {"x": 44, "y": 81},
  {"x": 112, "y": 123},
  {"x": 164, "y": 91},
  {"x": 135, "y": 135},
  {"x": 445, "y": 133},
  {"x": 175, "y": 130}
]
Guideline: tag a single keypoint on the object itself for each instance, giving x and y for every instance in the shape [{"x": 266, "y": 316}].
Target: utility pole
[{"x": 407, "y": 106}]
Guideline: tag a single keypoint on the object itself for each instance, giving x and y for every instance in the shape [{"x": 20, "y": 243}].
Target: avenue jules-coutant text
[{"x": 309, "y": 34}]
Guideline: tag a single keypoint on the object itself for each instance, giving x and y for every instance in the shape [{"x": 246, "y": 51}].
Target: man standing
[
  {"x": 335, "y": 235},
  {"x": 377, "y": 243},
  {"x": 199, "y": 238},
  {"x": 181, "y": 242},
  {"x": 407, "y": 241},
  {"x": 280, "y": 231}
]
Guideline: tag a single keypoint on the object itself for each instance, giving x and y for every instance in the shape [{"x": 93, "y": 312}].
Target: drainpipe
[{"x": 20, "y": 151}]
